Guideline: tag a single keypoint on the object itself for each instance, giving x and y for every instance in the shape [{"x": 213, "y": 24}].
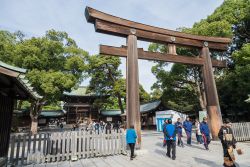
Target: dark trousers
[
  {"x": 171, "y": 146},
  {"x": 189, "y": 137},
  {"x": 206, "y": 140},
  {"x": 199, "y": 138},
  {"x": 132, "y": 149}
]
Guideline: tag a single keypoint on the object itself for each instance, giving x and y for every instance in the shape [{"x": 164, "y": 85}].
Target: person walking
[
  {"x": 187, "y": 125},
  {"x": 179, "y": 126},
  {"x": 205, "y": 132},
  {"x": 198, "y": 132},
  {"x": 164, "y": 132},
  {"x": 171, "y": 132},
  {"x": 102, "y": 125},
  {"x": 131, "y": 140},
  {"x": 61, "y": 126},
  {"x": 108, "y": 128},
  {"x": 228, "y": 143}
]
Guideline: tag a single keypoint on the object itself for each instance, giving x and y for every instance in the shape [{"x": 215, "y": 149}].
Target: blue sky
[{"x": 34, "y": 17}]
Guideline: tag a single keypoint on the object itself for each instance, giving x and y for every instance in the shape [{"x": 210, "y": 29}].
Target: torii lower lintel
[{"x": 122, "y": 52}]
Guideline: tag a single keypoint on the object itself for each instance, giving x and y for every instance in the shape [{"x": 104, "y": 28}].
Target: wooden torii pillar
[
  {"x": 132, "y": 86},
  {"x": 213, "y": 107},
  {"x": 133, "y": 31}
]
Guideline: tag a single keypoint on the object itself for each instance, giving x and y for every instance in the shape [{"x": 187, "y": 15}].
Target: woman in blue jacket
[{"x": 131, "y": 139}]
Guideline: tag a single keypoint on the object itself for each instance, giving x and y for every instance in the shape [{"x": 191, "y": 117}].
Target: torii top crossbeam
[{"x": 113, "y": 25}]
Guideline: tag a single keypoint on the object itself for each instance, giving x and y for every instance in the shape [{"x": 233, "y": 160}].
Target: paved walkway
[{"x": 153, "y": 155}]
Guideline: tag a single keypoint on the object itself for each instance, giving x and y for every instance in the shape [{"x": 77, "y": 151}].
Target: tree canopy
[
  {"x": 106, "y": 79},
  {"x": 54, "y": 62},
  {"x": 231, "y": 19}
]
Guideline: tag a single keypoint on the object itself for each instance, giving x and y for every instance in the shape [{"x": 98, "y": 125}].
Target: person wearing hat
[
  {"x": 205, "y": 132},
  {"x": 170, "y": 137},
  {"x": 228, "y": 143}
]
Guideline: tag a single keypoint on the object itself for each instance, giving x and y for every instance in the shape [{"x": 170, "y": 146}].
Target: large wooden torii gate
[{"x": 133, "y": 31}]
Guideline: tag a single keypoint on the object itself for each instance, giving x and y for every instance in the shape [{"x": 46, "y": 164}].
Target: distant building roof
[
  {"x": 111, "y": 112},
  {"x": 80, "y": 91},
  {"x": 12, "y": 74},
  {"x": 144, "y": 108},
  {"x": 52, "y": 113},
  {"x": 147, "y": 107}
]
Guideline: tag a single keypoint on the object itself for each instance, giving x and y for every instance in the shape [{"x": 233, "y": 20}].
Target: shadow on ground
[
  {"x": 201, "y": 147},
  {"x": 160, "y": 152},
  {"x": 207, "y": 162}
]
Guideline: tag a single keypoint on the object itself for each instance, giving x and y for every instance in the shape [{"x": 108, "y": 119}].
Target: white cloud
[{"x": 34, "y": 17}]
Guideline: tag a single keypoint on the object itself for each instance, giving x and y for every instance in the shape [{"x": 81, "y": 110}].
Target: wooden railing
[
  {"x": 60, "y": 146},
  {"x": 241, "y": 131}
]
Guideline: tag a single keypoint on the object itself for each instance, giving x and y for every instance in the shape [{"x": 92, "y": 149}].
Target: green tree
[
  {"x": 106, "y": 79},
  {"x": 231, "y": 19},
  {"x": 234, "y": 86},
  {"x": 55, "y": 64},
  {"x": 181, "y": 87}
]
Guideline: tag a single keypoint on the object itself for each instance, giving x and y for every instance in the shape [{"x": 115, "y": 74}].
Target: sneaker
[
  {"x": 131, "y": 158},
  {"x": 173, "y": 158},
  {"x": 168, "y": 155}
]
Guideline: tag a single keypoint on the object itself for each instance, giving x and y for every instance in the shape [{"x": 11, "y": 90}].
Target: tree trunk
[
  {"x": 200, "y": 95},
  {"x": 120, "y": 102},
  {"x": 34, "y": 125},
  {"x": 35, "y": 109},
  {"x": 117, "y": 94}
]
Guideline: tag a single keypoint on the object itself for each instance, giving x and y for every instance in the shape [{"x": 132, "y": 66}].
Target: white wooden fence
[
  {"x": 241, "y": 131},
  {"x": 60, "y": 146}
]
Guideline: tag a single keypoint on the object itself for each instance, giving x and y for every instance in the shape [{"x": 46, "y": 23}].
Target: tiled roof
[
  {"x": 12, "y": 68},
  {"x": 81, "y": 91},
  {"x": 147, "y": 107},
  {"x": 51, "y": 113},
  {"x": 111, "y": 112},
  {"x": 21, "y": 78}
]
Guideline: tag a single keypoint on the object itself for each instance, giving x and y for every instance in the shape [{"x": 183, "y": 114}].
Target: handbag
[{"x": 239, "y": 151}]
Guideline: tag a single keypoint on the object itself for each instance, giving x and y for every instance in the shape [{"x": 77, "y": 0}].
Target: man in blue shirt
[
  {"x": 131, "y": 139},
  {"x": 179, "y": 126},
  {"x": 205, "y": 132},
  {"x": 171, "y": 139},
  {"x": 187, "y": 125}
]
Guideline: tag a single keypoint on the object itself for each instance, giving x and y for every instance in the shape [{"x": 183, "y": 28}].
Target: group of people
[
  {"x": 202, "y": 133},
  {"x": 97, "y": 126},
  {"x": 173, "y": 132},
  {"x": 59, "y": 123}
]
